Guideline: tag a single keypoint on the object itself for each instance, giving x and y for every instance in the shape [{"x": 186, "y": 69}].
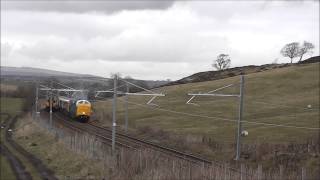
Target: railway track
[
  {"x": 130, "y": 142},
  {"x": 182, "y": 155},
  {"x": 148, "y": 144},
  {"x": 126, "y": 141},
  {"x": 78, "y": 127}
]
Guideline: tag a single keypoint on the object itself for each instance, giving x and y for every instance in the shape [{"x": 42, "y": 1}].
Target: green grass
[
  {"x": 13, "y": 106},
  {"x": 10, "y": 105},
  {"x": 52, "y": 153},
  {"x": 64, "y": 162},
  {"x": 5, "y": 169},
  {"x": 286, "y": 91}
]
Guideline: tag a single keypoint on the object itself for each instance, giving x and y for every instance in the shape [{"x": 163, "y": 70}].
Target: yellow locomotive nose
[{"x": 84, "y": 109}]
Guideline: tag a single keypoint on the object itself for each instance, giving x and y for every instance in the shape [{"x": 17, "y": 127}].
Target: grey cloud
[
  {"x": 143, "y": 49},
  {"x": 6, "y": 49},
  {"x": 82, "y": 6},
  {"x": 181, "y": 40}
]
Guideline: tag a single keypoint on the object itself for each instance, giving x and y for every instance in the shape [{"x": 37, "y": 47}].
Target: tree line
[
  {"x": 294, "y": 49},
  {"x": 291, "y": 50}
]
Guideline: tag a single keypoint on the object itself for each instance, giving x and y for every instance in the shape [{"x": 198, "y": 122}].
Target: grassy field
[
  {"x": 279, "y": 96},
  {"x": 4, "y": 87},
  {"x": 10, "y": 105},
  {"x": 54, "y": 154},
  {"x": 43, "y": 145},
  {"x": 5, "y": 169},
  {"x": 13, "y": 106}
]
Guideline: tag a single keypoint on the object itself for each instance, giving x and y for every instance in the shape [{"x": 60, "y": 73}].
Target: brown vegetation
[
  {"x": 149, "y": 164},
  {"x": 231, "y": 72},
  {"x": 290, "y": 157}
]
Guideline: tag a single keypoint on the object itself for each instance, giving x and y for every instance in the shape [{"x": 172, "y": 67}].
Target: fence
[{"x": 149, "y": 164}]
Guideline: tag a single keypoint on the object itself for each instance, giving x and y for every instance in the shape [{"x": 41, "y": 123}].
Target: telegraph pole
[
  {"x": 37, "y": 98},
  {"x": 114, "y": 106},
  {"x": 126, "y": 109},
  {"x": 240, "y": 118},
  {"x": 114, "y": 103},
  {"x": 50, "y": 104}
]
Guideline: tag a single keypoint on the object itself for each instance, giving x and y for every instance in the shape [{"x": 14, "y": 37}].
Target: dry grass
[
  {"x": 79, "y": 155},
  {"x": 53, "y": 152},
  {"x": 286, "y": 91},
  {"x": 8, "y": 88}
]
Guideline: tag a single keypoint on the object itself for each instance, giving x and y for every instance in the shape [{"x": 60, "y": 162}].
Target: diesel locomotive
[{"x": 78, "y": 109}]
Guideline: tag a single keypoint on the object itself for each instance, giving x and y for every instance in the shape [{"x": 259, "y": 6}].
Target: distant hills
[
  {"x": 215, "y": 75},
  {"x": 29, "y": 74},
  {"x": 36, "y": 72}
]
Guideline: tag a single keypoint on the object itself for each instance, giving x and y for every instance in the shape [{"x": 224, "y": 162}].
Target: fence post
[
  {"x": 225, "y": 171},
  {"x": 190, "y": 173},
  {"x": 241, "y": 171},
  {"x": 140, "y": 160},
  {"x": 281, "y": 172},
  {"x": 173, "y": 168},
  {"x": 303, "y": 173},
  {"x": 259, "y": 172}
]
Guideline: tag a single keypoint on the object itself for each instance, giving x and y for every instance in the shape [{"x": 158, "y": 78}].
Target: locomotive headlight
[{"x": 244, "y": 133}]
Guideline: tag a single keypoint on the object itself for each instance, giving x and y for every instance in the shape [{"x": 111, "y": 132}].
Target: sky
[{"x": 152, "y": 40}]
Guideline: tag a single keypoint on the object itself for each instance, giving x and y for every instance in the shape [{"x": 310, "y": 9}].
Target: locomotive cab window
[{"x": 83, "y": 102}]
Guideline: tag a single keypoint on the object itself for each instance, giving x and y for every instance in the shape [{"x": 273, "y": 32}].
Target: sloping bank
[
  {"x": 16, "y": 168},
  {"x": 43, "y": 171},
  {"x": 53, "y": 153}
]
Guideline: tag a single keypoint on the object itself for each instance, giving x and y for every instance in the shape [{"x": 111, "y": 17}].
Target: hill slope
[
  {"x": 214, "y": 75},
  {"x": 278, "y": 96},
  {"x": 36, "y": 72},
  {"x": 28, "y": 74}
]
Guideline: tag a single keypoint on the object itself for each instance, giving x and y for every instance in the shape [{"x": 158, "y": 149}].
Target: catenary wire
[{"x": 225, "y": 119}]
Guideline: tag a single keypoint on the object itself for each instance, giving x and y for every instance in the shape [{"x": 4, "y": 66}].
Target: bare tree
[
  {"x": 290, "y": 50},
  {"x": 222, "y": 62},
  {"x": 307, "y": 47},
  {"x": 112, "y": 75}
]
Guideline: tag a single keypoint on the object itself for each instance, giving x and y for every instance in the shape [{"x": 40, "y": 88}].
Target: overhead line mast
[
  {"x": 240, "y": 96},
  {"x": 114, "y": 102}
]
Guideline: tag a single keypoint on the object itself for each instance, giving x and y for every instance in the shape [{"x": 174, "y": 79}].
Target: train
[
  {"x": 78, "y": 109},
  {"x": 54, "y": 105}
]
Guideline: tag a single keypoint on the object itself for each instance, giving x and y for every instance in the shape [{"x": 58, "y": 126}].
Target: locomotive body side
[
  {"x": 64, "y": 105},
  {"x": 76, "y": 109}
]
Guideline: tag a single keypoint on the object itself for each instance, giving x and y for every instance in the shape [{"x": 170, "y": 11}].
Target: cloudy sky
[{"x": 151, "y": 39}]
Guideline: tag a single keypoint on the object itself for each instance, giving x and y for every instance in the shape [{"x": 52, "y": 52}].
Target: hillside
[
  {"x": 231, "y": 72},
  {"x": 36, "y": 72},
  {"x": 279, "y": 96},
  {"x": 28, "y": 74},
  {"x": 287, "y": 96}
]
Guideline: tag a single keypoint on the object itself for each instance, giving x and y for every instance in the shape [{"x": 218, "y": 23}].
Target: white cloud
[
  {"x": 157, "y": 44},
  {"x": 85, "y": 6}
]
